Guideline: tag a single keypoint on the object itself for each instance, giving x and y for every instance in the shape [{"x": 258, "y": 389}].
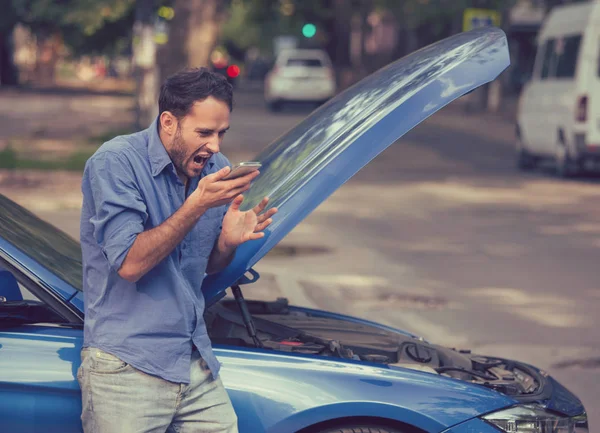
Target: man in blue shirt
[{"x": 157, "y": 215}]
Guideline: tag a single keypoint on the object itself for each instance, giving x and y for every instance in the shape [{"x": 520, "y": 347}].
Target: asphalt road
[{"x": 442, "y": 236}]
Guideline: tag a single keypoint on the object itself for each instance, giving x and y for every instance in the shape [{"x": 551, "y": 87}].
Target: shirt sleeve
[{"x": 120, "y": 211}]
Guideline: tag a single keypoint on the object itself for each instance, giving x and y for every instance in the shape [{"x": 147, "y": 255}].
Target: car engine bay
[{"x": 282, "y": 328}]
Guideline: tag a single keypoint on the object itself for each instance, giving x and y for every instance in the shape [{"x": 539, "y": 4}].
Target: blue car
[{"x": 290, "y": 369}]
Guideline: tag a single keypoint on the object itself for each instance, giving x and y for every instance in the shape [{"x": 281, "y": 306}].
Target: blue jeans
[{"x": 119, "y": 398}]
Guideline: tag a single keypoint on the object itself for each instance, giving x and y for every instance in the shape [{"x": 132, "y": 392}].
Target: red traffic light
[{"x": 233, "y": 71}]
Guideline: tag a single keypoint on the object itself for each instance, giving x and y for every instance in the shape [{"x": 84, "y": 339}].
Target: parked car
[
  {"x": 290, "y": 369},
  {"x": 559, "y": 110},
  {"x": 300, "y": 75}
]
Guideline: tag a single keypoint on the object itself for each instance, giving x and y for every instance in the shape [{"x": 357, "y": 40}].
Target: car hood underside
[{"x": 295, "y": 330}]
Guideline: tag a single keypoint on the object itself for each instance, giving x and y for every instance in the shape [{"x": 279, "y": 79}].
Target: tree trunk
[
  {"x": 497, "y": 87},
  {"x": 144, "y": 58},
  {"x": 8, "y": 72},
  {"x": 48, "y": 45},
  {"x": 205, "y": 20},
  {"x": 193, "y": 34},
  {"x": 357, "y": 41},
  {"x": 340, "y": 40}
]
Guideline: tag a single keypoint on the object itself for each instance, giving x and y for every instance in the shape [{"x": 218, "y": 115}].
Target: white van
[{"x": 559, "y": 111}]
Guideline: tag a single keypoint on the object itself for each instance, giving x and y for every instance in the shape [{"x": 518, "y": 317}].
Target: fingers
[
  {"x": 237, "y": 191},
  {"x": 219, "y": 174},
  {"x": 260, "y": 227},
  {"x": 261, "y": 206},
  {"x": 233, "y": 183},
  {"x": 267, "y": 214},
  {"x": 243, "y": 180},
  {"x": 237, "y": 201},
  {"x": 254, "y": 236}
]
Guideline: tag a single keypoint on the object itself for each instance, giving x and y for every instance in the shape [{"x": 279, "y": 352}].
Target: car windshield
[{"x": 50, "y": 247}]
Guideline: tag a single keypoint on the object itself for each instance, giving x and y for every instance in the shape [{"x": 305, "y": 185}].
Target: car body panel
[
  {"x": 77, "y": 301},
  {"x": 307, "y": 164},
  {"x": 38, "y": 379},
  {"x": 296, "y": 391},
  {"x": 271, "y": 392},
  {"x": 564, "y": 401}
]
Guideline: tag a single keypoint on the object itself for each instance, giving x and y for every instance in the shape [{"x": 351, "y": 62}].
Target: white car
[
  {"x": 559, "y": 110},
  {"x": 300, "y": 75}
]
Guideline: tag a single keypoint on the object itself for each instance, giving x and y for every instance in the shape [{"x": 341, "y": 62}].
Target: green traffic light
[{"x": 309, "y": 30}]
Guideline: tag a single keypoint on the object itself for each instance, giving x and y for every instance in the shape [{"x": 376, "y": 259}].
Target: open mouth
[{"x": 200, "y": 160}]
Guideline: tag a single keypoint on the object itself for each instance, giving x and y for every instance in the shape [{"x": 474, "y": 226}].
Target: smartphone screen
[{"x": 242, "y": 169}]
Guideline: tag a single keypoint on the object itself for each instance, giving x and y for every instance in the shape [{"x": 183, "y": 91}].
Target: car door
[
  {"x": 531, "y": 114},
  {"x": 39, "y": 357},
  {"x": 547, "y": 102},
  {"x": 563, "y": 90}
]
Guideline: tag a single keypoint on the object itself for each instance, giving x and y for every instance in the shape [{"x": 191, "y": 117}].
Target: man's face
[{"x": 198, "y": 136}]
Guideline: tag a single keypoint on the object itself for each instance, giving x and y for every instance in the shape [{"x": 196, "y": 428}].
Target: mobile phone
[{"x": 242, "y": 169}]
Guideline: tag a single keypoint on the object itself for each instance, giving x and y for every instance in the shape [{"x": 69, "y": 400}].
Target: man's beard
[{"x": 178, "y": 152}]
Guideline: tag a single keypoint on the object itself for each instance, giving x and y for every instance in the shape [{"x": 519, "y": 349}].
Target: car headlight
[{"x": 535, "y": 419}]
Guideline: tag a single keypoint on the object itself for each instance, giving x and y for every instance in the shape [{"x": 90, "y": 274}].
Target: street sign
[{"x": 476, "y": 18}]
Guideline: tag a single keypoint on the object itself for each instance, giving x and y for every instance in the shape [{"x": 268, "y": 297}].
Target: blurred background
[
  {"x": 46, "y": 43},
  {"x": 457, "y": 232}
]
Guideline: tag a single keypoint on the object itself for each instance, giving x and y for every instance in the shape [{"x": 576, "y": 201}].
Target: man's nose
[{"x": 213, "y": 145}]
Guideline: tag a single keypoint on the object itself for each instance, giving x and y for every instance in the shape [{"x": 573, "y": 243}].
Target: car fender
[
  {"x": 276, "y": 392},
  {"x": 340, "y": 411}
]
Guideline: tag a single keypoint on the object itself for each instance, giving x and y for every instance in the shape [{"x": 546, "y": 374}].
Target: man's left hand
[{"x": 240, "y": 227}]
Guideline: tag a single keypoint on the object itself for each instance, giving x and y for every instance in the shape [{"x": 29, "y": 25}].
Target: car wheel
[
  {"x": 360, "y": 429},
  {"x": 525, "y": 160},
  {"x": 274, "y": 106},
  {"x": 565, "y": 166}
]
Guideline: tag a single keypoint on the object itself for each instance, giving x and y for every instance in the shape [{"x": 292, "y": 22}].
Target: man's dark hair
[{"x": 181, "y": 90}]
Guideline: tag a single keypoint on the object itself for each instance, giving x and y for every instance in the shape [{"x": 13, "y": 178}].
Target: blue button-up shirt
[{"x": 130, "y": 185}]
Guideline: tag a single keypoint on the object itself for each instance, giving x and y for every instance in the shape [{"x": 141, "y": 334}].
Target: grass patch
[
  {"x": 9, "y": 159},
  {"x": 109, "y": 135},
  {"x": 20, "y": 155}
]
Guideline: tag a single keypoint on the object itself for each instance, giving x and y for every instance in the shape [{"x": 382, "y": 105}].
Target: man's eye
[{"x": 205, "y": 134}]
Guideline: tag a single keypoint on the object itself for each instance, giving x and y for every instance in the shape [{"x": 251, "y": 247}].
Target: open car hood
[{"x": 303, "y": 167}]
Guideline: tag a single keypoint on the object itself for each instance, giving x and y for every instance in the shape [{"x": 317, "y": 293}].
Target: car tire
[
  {"x": 565, "y": 166},
  {"x": 360, "y": 429},
  {"x": 525, "y": 160},
  {"x": 274, "y": 106}
]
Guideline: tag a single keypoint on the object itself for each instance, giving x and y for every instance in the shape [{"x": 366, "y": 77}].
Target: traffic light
[
  {"x": 233, "y": 71},
  {"x": 309, "y": 30}
]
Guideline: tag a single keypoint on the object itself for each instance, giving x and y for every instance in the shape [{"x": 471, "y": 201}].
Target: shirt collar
[{"x": 159, "y": 158}]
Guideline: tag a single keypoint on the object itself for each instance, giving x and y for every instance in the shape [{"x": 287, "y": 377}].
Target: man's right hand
[{"x": 212, "y": 191}]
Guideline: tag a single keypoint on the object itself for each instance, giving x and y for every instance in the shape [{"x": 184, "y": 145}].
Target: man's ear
[{"x": 168, "y": 123}]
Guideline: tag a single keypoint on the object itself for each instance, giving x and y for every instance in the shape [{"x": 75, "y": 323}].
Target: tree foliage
[
  {"x": 256, "y": 22},
  {"x": 90, "y": 26}
]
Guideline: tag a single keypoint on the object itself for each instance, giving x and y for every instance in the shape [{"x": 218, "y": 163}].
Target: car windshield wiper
[
  {"x": 13, "y": 313},
  {"x": 11, "y": 320}
]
